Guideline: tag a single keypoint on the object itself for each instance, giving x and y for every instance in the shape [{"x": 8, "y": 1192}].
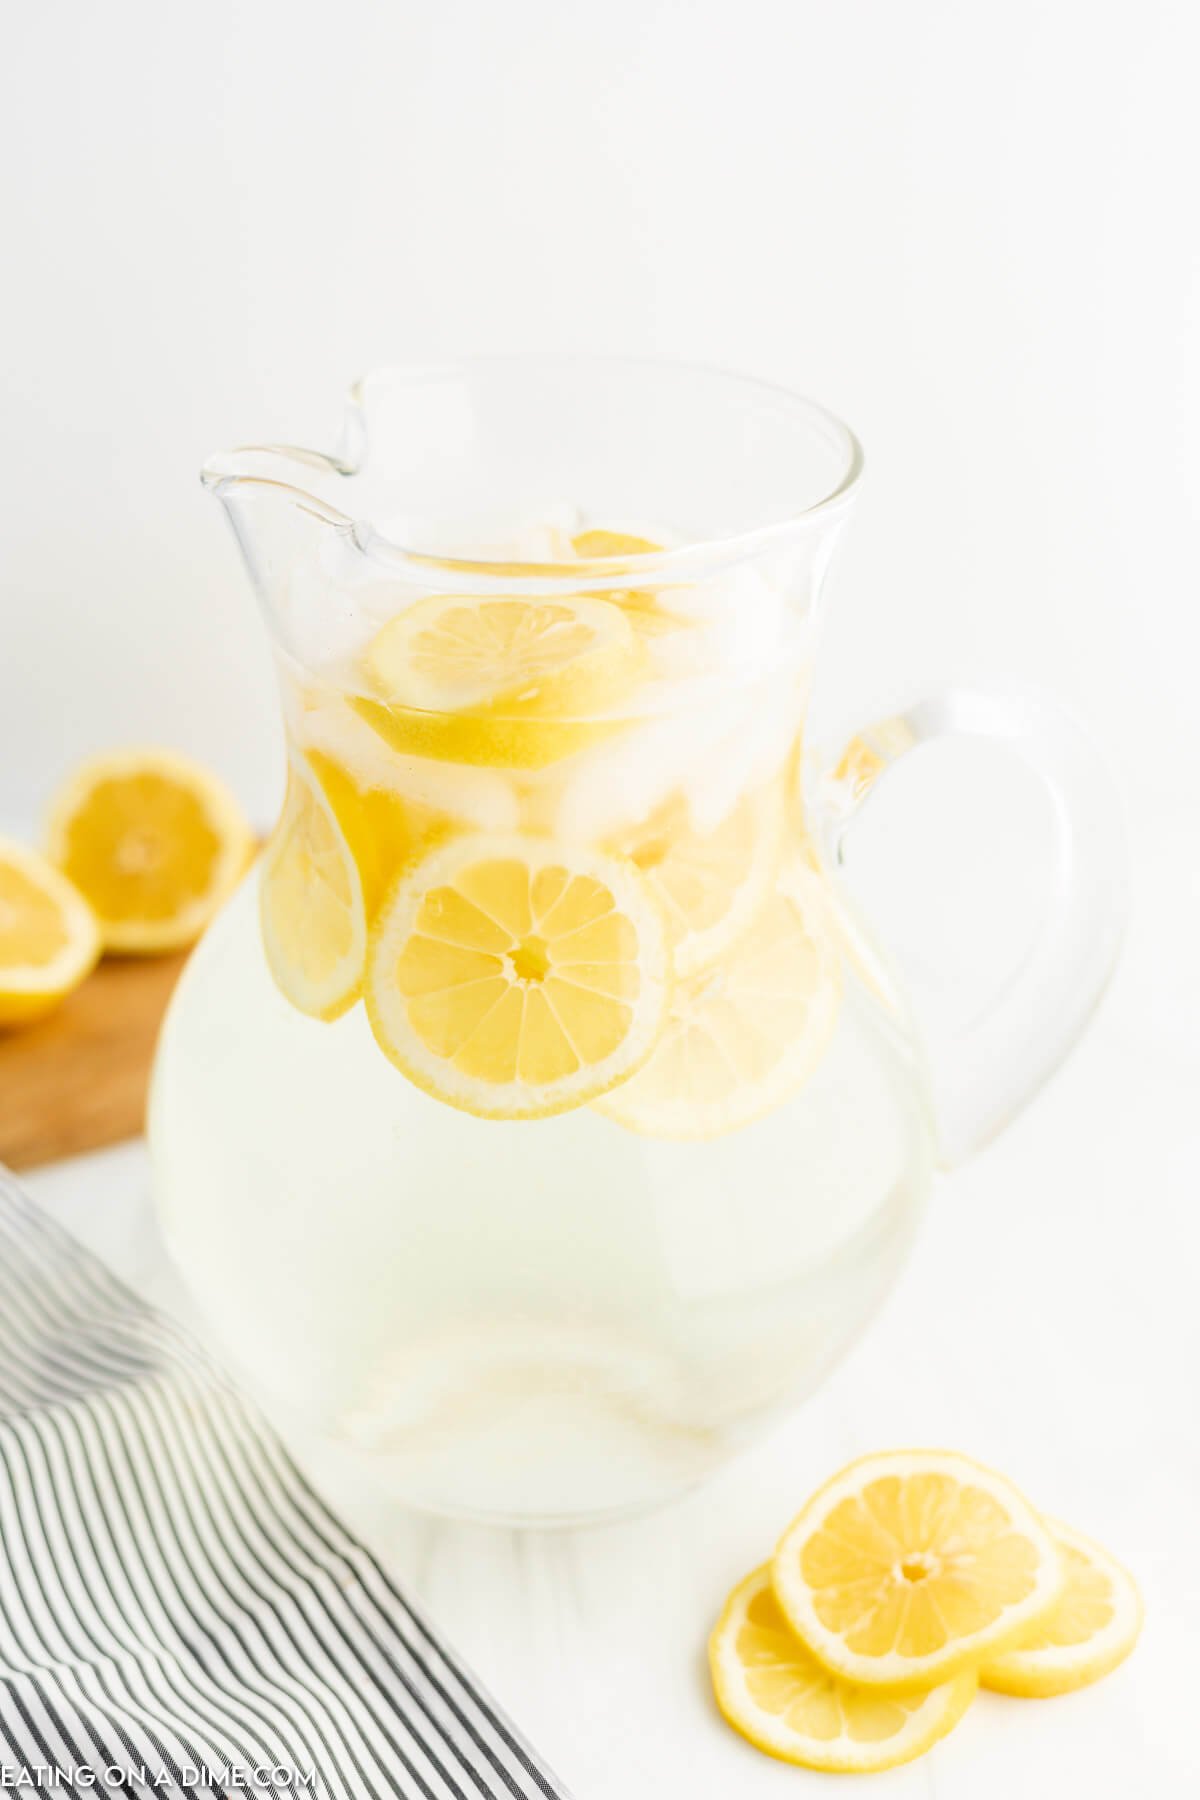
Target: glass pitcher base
[
  {"x": 528, "y": 1435},
  {"x": 549, "y": 1462}
]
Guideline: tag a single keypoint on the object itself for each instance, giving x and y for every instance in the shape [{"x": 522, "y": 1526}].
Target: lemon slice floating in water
[
  {"x": 312, "y": 902},
  {"x": 514, "y": 977},
  {"x": 711, "y": 884},
  {"x": 534, "y": 658},
  {"x": 741, "y": 1036}
]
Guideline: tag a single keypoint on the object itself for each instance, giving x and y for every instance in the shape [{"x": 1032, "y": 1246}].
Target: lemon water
[
  {"x": 537, "y": 1124},
  {"x": 551, "y": 1319}
]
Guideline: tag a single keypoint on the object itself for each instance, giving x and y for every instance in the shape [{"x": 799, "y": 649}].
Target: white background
[{"x": 972, "y": 230}]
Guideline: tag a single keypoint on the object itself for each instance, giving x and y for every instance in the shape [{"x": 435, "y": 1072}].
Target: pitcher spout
[{"x": 496, "y": 477}]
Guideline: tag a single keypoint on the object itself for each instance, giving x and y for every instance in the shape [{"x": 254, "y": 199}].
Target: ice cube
[
  {"x": 619, "y": 784},
  {"x": 759, "y": 727}
]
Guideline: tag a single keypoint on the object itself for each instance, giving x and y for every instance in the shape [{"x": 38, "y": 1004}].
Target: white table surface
[{"x": 1048, "y": 1324}]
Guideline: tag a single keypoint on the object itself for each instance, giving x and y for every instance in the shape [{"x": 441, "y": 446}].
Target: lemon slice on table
[
  {"x": 312, "y": 902},
  {"x": 711, "y": 884},
  {"x": 913, "y": 1564},
  {"x": 514, "y": 977},
  {"x": 1091, "y": 1628},
  {"x": 49, "y": 939},
  {"x": 772, "y": 1690},
  {"x": 740, "y": 1036},
  {"x": 154, "y": 842},
  {"x": 546, "y": 658}
]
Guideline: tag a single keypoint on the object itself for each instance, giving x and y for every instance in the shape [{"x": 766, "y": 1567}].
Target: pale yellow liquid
[
  {"x": 547, "y": 1320},
  {"x": 552, "y": 1319}
]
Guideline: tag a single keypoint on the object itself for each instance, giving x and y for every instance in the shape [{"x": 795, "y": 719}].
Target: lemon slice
[
  {"x": 383, "y": 831},
  {"x": 913, "y": 1564},
  {"x": 711, "y": 884},
  {"x": 514, "y": 977},
  {"x": 452, "y": 653},
  {"x": 153, "y": 842},
  {"x": 740, "y": 1036},
  {"x": 49, "y": 939},
  {"x": 321, "y": 721},
  {"x": 775, "y": 1693},
  {"x": 312, "y": 903},
  {"x": 479, "y": 741},
  {"x": 642, "y": 605},
  {"x": 1091, "y": 1628},
  {"x": 597, "y": 543}
]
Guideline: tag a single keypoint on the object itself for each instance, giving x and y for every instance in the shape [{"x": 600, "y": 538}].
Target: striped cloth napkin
[{"x": 179, "y": 1613}]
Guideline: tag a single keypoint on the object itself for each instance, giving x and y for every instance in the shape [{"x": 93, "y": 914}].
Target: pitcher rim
[{"x": 220, "y": 476}]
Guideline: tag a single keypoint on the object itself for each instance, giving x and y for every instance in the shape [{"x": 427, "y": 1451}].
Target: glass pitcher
[{"x": 540, "y": 1122}]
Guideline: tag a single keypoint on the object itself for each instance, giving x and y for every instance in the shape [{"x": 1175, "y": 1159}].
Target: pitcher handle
[{"x": 1002, "y": 1058}]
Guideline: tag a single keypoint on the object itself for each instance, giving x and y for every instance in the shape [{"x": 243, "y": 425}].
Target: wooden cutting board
[{"x": 77, "y": 1079}]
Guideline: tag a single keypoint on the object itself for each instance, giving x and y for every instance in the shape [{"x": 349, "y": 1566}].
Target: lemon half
[
  {"x": 49, "y": 939},
  {"x": 154, "y": 842}
]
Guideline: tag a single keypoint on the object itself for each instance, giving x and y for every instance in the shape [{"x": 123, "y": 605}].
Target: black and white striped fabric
[{"x": 179, "y": 1613}]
